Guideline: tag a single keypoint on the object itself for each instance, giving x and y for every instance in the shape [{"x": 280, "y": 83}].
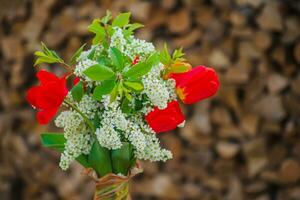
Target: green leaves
[
  {"x": 99, "y": 72},
  {"x": 102, "y": 160},
  {"x": 122, "y": 159},
  {"x": 53, "y": 140},
  {"x": 122, "y": 19},
  {"x": 57, "y": 141},
  {"x": 47, "y": 56},
  {"x": 76, "y": 55},
  {"x": 177, "y": 54},
  {"x": 114, "y": 92},
  {"x": 105, "y": 88},
  {"x": 165, "y": 57},
  {"x": 117, "y": 58},
  {"x": 77, "y": 91},
  {"x": 134, "y": 85},
  {"x": 99, "y": 158},
  {"x": 142, "y": 68},
  {"x": 130, "y": 28},
  {"x": 96, "y": 28}
]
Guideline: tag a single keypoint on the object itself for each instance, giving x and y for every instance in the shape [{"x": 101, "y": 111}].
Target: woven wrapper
[{"x": 112, "y": 186}]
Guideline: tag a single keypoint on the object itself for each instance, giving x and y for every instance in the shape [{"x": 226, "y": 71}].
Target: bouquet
[{"x": 113, "y": 101}]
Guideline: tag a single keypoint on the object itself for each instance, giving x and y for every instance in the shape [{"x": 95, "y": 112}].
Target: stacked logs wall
[{"x": 242, "y": 144}]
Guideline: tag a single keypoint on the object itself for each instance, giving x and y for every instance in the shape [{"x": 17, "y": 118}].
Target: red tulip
[
  {"x": 166, "y": 119},
  {"x": 48, "y": 96},
  {"x": 199, "y": 83}
]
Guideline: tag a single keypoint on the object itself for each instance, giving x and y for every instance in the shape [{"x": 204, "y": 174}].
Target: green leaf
[
  {"x": 165, "y": 57},
  {"x": 142, "y": 68},
  {"x": 121, "y": 89},
  {"x": 57, "y": 141},
  {"x": 106, "y": 18},
  {"x": 122, "y": 159},
  {"x": 96, "y": 28},
  {"x": 105, "y": 88},
  {"x": 91, "y": 53},
  {"x": 96, "y": 121},
  {"x": 130, "y": 28},
  {"x": 177, "y": 54},
  {"x": 121, "y": 20},
  {"x": 84, "y": 160},
  {"x": 47, "y": 56},
  {"x": 117, "y": 58},
  {"x": 99, "y": 72},
  {"x": 114, "y": 93},
  {"x": 99, "y": 158},
  {"x": 110, "y": 31},
  {"x": 134, "y": 85},
  {"x": 76, "y": 55},
  {"x": 135, "y": 26},
  {"x": 53, "y": 140},
  {"x": 125, "y": 106},
  {"x": 128, "y": 95},
  {"x": 77, "y": 91},
  {"x": 104, "y": 60}
]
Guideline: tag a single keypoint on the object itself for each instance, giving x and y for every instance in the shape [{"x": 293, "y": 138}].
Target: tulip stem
[{"x": 82, "y": 115}]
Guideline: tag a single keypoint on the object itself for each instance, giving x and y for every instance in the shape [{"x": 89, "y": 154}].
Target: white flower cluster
[
  {"x": 156, "y": 88},
  {"x": 139, "y": 47},
  {"x": 153, "y": 151},
  {"x": 118, "y": 40},
  {"x": 132, "y": 47},
  {"x": 113, "y": 120},
  {"x": 88, "y": 106},
  {"x": 77, "y": 134},
  {"x": 146, "y": 144}
]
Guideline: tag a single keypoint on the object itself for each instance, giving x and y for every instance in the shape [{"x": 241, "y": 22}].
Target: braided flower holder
[{"x": 112, "y": 186}]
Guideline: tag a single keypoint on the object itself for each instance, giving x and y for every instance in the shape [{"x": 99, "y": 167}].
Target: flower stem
[{"x": 82, "y": 115}]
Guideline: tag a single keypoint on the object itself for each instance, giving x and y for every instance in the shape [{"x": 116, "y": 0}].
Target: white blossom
[
  {"x": 118, "y": 40},
  {"x": 88, "y": 106},
  {"x": 156, "y": 88},
  {"x": 108, "y": 137},
  {"x": 139, "y": 47},
  {"x": 77, "y": 134}
]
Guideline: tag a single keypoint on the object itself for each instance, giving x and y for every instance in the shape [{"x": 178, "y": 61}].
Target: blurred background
[{"x": 243, "y": 144}]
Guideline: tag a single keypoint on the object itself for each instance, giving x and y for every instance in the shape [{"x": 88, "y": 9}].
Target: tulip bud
[
  {"x": 166, "y": 119},
  {"x": 199, "y": 83}
]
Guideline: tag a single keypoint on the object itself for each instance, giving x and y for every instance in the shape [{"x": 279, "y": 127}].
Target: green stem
[{"x": 82, "y": 115}]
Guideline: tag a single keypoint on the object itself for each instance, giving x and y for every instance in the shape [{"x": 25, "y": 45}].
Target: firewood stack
[{"x": 244, "y": 144}]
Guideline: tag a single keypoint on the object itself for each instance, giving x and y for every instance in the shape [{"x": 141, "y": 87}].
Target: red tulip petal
[
  {"x": 32, "y": 96},
  {"x": 46, "y": 77},
  {"x": 199, "y": 83},
  {"x": 166, "y": 119},
  {"x": 52, "y": 95},
  {"x": 44, "y": 116}
]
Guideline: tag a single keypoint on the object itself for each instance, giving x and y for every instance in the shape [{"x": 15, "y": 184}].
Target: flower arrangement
[{"x": 124, "y": 92}]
